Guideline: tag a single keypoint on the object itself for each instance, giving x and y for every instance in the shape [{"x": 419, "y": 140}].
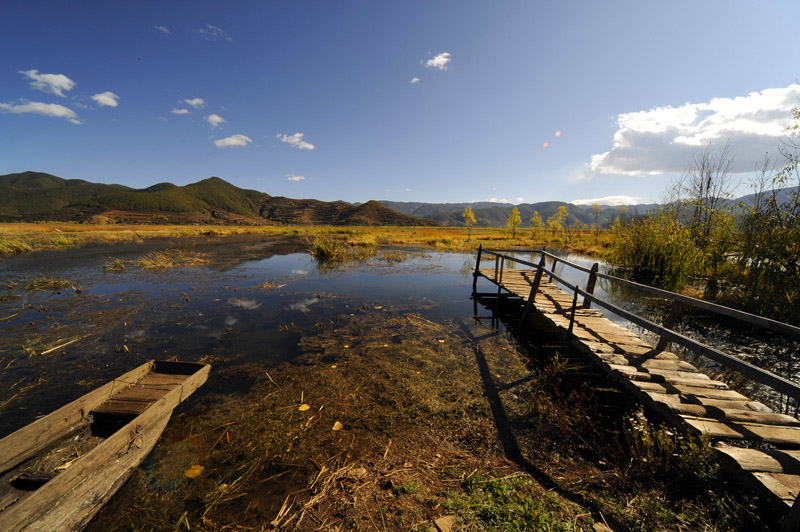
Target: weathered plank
[
  {"x": 768, "y": 461},
  {"x": 30, "y": 440},
  {"x": 775, "y": 434}
]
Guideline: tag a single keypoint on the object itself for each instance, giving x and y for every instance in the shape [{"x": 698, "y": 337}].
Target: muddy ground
[
  {"x": 389, "y": 421},
  {"x": 379, "y": 416}
]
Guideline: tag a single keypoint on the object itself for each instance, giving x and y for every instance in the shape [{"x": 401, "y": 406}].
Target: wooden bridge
[{"x": 750, "y": 439}]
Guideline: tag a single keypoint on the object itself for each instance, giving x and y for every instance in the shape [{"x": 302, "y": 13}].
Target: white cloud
[
  {"x": 608, "y": 200},
  {"x": 290, "y": 177},
  {"x": 52, "y": 83},
  {"x": 440, "y": 61},
  {"x": 496, "y": 200},
  {"x": 665, "y": 139},
  {"x": 213, "y": 33},
  {"x": 414, "y": 80},
  {"x": 233, "y": 140},
  {"x": 180, "y": 111},
  {"x": 519, "y": 200},
  {"x": 107, "y": 99},
  {"x": 214, "y": 120},
  {"x": 163, "y": 29},
  {"x": 39, "y": 108},
  {"x": 195, "y": 102},
  {"x": 296, "y": 140}
]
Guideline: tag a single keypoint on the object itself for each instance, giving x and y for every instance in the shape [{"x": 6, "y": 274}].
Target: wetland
[{"x": 365, "y": 395}]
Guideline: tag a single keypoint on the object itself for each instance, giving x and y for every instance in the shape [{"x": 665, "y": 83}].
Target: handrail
[
  {"x": 767, "y": 323},
  {"x": 763, "y": 376},
  {"x": 754, "y": 319},
  {"x": 760, "y": 375}
]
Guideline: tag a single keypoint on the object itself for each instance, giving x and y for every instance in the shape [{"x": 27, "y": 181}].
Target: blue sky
[{"x": 316, "y": 97}]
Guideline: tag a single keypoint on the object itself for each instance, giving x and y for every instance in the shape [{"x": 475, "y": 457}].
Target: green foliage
[
  {"x": 469, "y": 220},
  {"x": 514, "y": 219},
  {"x": 536, "y": 223},
  {"x": 512, "y": 504},
  {"x": 11, "y": 247},
  {"x": 658, "y": 452},
  {"x": 658, "y": 248}
]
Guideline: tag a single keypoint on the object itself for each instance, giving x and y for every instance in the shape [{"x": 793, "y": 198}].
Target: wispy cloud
[
  {"x": 440, "y": 61},
  {"x": 519, "y": 200},
  {"x": 51, "y": 83},
  {"x": 39, "y": 108},
  {"x": 214, "y": 33},
  {"x": 608, "y": 200},
  {"x": 296, "y": 140},
  {"x": 414, "y": 80},
  {"x": 197, "y": 103},
  {"x": 665, "y": 139},
  {"x": 214, "y": 120},
  {"x": 290, "y": 177},
  {"x": 180, "y": 111},
  {"x": 106, "y": 99},
  {"x": 163, "y": 29},
  {"x": 497, "y": 200},
  {"x": 233, "y": 140}
]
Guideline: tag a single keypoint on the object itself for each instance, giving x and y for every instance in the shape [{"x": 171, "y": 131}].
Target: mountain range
[{"x": 32, "y": 196}]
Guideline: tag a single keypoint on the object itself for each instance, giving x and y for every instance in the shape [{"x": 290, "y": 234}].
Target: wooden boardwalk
[{"x": 762, "y": 445}]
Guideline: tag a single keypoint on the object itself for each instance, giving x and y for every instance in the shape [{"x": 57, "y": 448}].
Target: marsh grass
[
  {"x": 162, "y": 260},
  {"x": 28, "y": 237},
  {"x": 11, "y": 247},
  {"x": 48, "y": 284}
]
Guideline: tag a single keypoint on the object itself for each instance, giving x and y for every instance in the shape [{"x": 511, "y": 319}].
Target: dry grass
[
  {"x": 23, "y": 238},
  {"x": 162, "y": 260}
]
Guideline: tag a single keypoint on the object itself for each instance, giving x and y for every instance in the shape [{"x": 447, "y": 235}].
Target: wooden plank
[
  {"x": 20, "y": 516},
  {"x": 769, "y": 461},
  {"x": 783, "y": 486},
  {"x": 778, "y": 435},
  {"x": 732, "y": 405},
  {"x": 29, "y": 440},
  {"x": 82, "y": 503},
  {"x": 739, "y": 416}
]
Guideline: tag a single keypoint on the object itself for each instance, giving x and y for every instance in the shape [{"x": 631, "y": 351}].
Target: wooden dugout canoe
[{"x": 57, "y": 472}]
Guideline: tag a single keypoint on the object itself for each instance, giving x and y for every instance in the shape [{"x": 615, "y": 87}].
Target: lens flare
[
  {"x": 558, "y": 133},
  {"x": 545, "y": 144}
]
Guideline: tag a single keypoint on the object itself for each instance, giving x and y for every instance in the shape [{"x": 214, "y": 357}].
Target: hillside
[
  {"x": 489, "y": 214},
  {"x": 32, "y": 196}
]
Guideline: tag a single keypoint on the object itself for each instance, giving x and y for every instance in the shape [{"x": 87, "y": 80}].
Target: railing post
[
  {"x": 669, "y": 323},
  {"x": 587, "y": 303},
  {"x": 502, "y": 265},
  {"x": 477, "y": 268},
  {"x": 555, "y": 261},
  {"x": 572, "y": 313},
  {"x": 534, "y": 288},
  {"x": 496, "y": 266}
]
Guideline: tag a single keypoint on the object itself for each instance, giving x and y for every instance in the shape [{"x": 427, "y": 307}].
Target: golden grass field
[{"x": 31, "y": 237}]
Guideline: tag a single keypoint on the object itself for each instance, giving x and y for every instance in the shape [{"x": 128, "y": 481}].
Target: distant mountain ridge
[
  {"x": 33, "y": 196},
  {"x": 489, "y": 214}
]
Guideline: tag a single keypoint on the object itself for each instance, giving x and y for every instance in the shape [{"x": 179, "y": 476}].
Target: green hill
[{"x": 32, "y": 196}]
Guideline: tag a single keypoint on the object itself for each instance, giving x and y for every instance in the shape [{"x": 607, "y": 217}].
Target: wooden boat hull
[{"x": 145, "y": 396}]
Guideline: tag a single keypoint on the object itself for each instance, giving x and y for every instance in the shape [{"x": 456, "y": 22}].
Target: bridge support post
[
  {"x": 669, "y": 323},
  {"x": 534, "y": 288},
  {"x": 572, "y": 312},
  {"x": 587, "y": 303},
  {"x": 477, "y": 267}
]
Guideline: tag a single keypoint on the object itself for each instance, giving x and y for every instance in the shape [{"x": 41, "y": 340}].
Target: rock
[{"x": 444, "y": 524}]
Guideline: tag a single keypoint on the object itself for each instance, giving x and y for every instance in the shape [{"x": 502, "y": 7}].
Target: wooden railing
[{"x": 665, "y": 331}]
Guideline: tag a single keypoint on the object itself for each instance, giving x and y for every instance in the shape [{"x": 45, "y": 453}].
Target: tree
[
  {"x": 536, "y": 223},
  {"x": 514, "y": 219},
  {"x": 469, "y": 219},
  {"x": 556, "y": 222}
]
